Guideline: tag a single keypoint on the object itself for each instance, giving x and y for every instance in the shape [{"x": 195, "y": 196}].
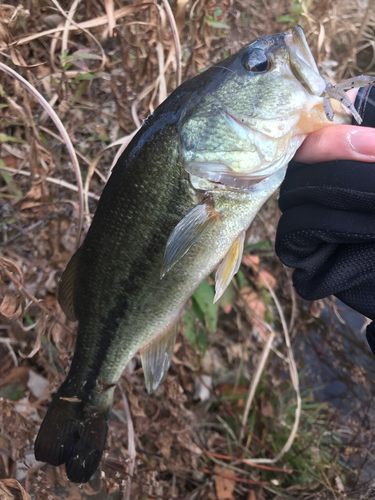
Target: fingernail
[{"x": 362, "y": 141}]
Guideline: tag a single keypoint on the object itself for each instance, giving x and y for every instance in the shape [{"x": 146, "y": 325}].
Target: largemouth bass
[{"x": 178, "y": 204}]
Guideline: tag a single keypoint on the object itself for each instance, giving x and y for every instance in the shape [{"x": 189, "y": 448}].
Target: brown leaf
[
  {"x": 18, "y": 60},
  {"x": 186, "y": 442},
  {"x": 41, "y": 325},
  {"x": 316, "y": 307},
  {"x": 223, "y": 482},
  {"x": 264, "y": 276},
  {"x": 17, "y": 374},
  {"x": 180, "y": 14},
  {"x": 164, "y": 443},
  {"x": 5, "y": 494},
  {"x": 12, "y": 267},
  {"x": 253, "y": 302},
  {"x": 252, "y": 495},
  {"x": 134, "y": 405},
  {"x": 267, "y": 409},
  {"x": 250, "y": 260},
  {"x": 10, "y": 306},
  {"x": 12, "y": 483}
]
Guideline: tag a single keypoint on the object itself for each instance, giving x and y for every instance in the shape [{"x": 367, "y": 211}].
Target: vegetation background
[{"x": 268, "y": 396}]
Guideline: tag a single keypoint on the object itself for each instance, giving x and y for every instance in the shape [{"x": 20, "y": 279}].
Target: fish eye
[{"x": 256, "y": 61}]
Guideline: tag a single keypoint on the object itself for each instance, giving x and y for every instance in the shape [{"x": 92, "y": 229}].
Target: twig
[
  {"x": 176, "y": 40},
  {"x": 293, "y": 375},
  {"x": 91, "y": 23},
  {"x": 240, "y": 460},
  {"x": 234, "y": 478},
  {"x": 229, "y": 410},
  {"x": 83, "y": 157},
  {"x": 9, "y": 71},
  {"x": 109, "y": 8},
  {"x": 265, "y": 325},
  {"x": 69, "y": 18},
  {"x": 8, "y": 343},
  {"x": 162, "y": 84},
  {"x": 58, "y": 182},
  {"x": 93, "y": 165},
  {"x": 255, "y": 381},
  {"x": 33, "y": 299},
  {"x": 131, "y": 443},
  {"x": 122, "y": 148}
]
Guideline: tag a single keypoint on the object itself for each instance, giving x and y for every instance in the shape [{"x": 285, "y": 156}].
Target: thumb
[{"x": 341, "y": 142}]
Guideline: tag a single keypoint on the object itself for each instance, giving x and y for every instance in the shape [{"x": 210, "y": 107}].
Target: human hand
[
  {"x": 340, "y": 142},
  {"x": 327, "y": 230}
]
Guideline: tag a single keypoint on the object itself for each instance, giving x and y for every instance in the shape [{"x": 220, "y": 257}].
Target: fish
[{"x": 177, "y": 205}]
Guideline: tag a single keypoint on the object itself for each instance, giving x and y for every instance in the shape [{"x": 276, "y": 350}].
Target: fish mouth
[
  {"x": 220, "y": 174},
  {"x": 302, "y": 62}
]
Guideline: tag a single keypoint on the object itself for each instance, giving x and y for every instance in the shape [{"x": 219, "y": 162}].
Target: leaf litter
[{"x": 81, "y": 78}]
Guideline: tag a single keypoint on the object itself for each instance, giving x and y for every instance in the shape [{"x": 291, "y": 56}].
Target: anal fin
[
  {"x": 156, "y": 357},
  {"x": 66, "y": 287},
  {"x": 229, "y": 266},
  {"x": 188, "y": 231}
]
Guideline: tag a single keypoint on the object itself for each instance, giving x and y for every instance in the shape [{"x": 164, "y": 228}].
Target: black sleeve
[{"x": 327, "y": 230}]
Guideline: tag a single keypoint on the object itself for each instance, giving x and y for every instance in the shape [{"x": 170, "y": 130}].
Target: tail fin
[{"x": 74, "y": 434}]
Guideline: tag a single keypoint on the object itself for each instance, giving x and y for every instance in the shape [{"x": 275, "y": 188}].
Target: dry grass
[{"x": 98, "y": 69}]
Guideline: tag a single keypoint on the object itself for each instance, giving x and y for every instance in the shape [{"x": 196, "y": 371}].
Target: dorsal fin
[
  {"x": 66, "y": 287},
  {"x": 156, "y": 357},
  {"x": 229, "y": 266},
  {"x": 197, "y": 222}
]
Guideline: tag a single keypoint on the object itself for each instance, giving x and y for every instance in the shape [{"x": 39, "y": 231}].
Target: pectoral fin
[
  {"x": 156, "y": 357},
  {"x": 229, "y": 266},
  {"x": 187, "y": 232},
  {"x": 66, "y": 287}
]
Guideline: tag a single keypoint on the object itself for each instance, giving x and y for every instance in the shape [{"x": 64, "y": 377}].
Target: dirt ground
[{"x": 103, "y": 66}]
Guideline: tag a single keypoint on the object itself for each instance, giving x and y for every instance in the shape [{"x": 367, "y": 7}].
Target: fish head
[{"x": 256, "y": 110}]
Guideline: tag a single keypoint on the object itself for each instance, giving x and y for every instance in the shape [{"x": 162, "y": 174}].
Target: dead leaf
[
  {"x": 12, "y": 267},
  {"x": 230, "y": 389},
  {"x": 134, "y": 405},
  {"x": 186, "y": 442},
  {"x": 238, "y": 351},
  {"x": 265, "y": 276},
  {"x": 38, "y": 385},
  {"x": 180, "y": 14},
  {"x": 12, "y": 483},
  {"x": 18, "y": 374},
  {"x": 41, "y": 326},
  {"x": 252, "y": 495},
  {"x": 223, "y": 482},
  {"x": 164, "y": 443},
  {"x": 251, "y": 260},
  {"x": 267, "y": 409},
  {"x": 252, "y": 300},
  {"x": 316, "y": 307},
  {"x": 5, "y": 459},
  {"x": 10, "y": 306},
  {"x": 202, "y": 386},
  {"x": 5, "y": 494},
  {"x": 18, "y": 60}
]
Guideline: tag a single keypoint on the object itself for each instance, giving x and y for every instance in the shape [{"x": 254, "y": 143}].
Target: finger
[
  {"x": 333, "y": 143},
  {"x": 341, "y": 142}
]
